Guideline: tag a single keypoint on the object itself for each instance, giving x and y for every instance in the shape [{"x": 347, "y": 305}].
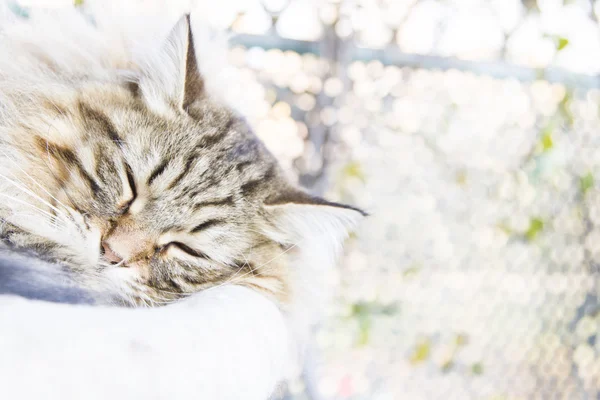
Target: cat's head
[{"x": 173, "y": 188}]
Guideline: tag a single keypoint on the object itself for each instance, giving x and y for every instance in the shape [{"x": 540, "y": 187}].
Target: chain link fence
[{"x": 471, "y": 131}]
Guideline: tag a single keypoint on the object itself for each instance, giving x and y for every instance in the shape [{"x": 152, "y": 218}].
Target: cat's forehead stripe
[
  {"x": 207, "y": 224},
  {"x": 252, "y": 186},
  {"x": 96, "y": 120},
  {"x": 70, "y": 159},
  {"x": 206, "y": 141},
  {"x": 227, "y": 201},
  {"x": 211, "y": 140},
  {"x": 186, "y": 170},
  {"x": 160, "y": 168},
  {"x": 242, "y": 165}
]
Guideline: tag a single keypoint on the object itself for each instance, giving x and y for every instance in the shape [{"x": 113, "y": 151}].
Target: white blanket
[{"x": 226, "y": 343}]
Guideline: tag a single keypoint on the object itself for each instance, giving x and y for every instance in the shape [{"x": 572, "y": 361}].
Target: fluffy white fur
[{"x": 124, "y": 35}]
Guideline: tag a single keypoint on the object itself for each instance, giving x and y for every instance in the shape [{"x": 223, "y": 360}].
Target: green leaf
[
  {"x": 360, "y": 309},
  {"x": 586, "y": 182},
  {"x": 536, "y": 225},
  {"x": 365, "y": 309},
  {"x": 411, "y": 271},
  {"x": 547, "y": 142},
  {"x": 361, "y": 312},
  {"x": 461, "y": 177},
  {"x": 477, "y": 369},
  {"x": 561, "y": 43},
  {"x": 421, "y": 352},
  {"x": 364, "y": 312},
  {"x": 78, "y": 3},
  {"x": 364, "y": 329},
  {"x": 354, "y": 170},
  {"x": 564, "y": 108}
]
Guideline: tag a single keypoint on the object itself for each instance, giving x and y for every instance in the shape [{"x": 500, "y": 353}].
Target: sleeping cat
[
  {"x": 126, "y": 169},
  {"x": 133, "y": 176}
]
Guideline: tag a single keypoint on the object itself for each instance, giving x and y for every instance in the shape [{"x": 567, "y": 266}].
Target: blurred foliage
[
  {"x": 354, "y": 170},
  {"x": 477, "y": 369},
  {"x": 564, "y": 108},
  {"x": 364, "y": 312},
  {"x": 562, "y": 43},
  {"x": 412, "y": 271},
  {"x": 586, "y": 182},
  {"x": 421, "y": 351},
  {"x": 461, "y": 177},
  {"x": 559, "y": 41},
  {"x": 547, "y": 142},
  {"x": 536, "y": 225}
]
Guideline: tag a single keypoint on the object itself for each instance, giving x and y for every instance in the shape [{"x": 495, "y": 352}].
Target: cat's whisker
[
  {"x": 54, "y": 222},
  {"x": 164, "y": 301},
  {"x": 16, "y": 200},
  {"x": 50, "y": 167},
  {"x": 231, "y": 278},
  {"x": 29, "y": 192},
  {"x": 169, "y": 292},
  {"x": 138, "y": 295},
  {"x": 59, "y": 216},
  {"x": 32, "y": 179},
  {"x": 161, "y": 300},
  {"x": 4, "y": 220},
  {"x": 258, "y": 267},
  {"x": 140, "y": 292}
]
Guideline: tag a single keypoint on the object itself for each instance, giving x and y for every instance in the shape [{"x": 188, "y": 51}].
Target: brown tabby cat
[{"x": 132, "y": 174}]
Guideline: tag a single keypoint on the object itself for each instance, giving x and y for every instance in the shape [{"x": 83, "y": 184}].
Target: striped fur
[{"x": 108, "y": 154}]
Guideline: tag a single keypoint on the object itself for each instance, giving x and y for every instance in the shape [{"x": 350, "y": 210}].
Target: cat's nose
[{"x": 110, "y": 255}]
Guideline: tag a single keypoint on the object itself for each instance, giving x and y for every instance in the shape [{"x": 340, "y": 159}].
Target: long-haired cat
[{"x": 123, "y": 166}]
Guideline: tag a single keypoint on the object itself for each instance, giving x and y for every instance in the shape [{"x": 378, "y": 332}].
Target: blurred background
[{"x": 470, "y": 130}]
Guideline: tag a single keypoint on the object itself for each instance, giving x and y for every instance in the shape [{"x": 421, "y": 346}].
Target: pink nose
[{"x": 110, "y": 255}]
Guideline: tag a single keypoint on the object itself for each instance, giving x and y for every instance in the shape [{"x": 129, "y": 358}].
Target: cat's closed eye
[
  {"x": 124, "y": 209},
  {"x": 186, "y": 249}
]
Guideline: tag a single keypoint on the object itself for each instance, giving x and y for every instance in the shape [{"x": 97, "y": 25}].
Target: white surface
[{"x": 55, "y": 351}]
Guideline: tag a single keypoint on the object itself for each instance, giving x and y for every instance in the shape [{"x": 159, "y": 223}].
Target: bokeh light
[{"x": 476, "y": 276}]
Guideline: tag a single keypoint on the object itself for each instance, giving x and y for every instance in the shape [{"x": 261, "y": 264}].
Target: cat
[{"x": 123, "y": 167}]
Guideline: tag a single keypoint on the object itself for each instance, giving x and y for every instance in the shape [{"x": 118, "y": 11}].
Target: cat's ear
[
  {"x": 296, "y": 217},
  {"x": 170, "y": 75}
]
